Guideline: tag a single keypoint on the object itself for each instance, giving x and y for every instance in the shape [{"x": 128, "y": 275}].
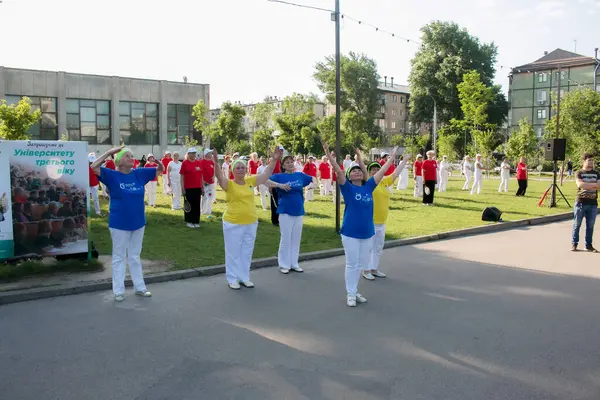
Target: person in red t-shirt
[
  {"x": 166, "y": 160},
  {"x": 235, "y": 157},
  {"x": 209, "y": 194},
  {"x": 325, "y": 177},
  {"x": 429, "y": 172},
  {"x": 253, "y": 165},
  {"x": 191, "y": 183},
  {"x": 418, "y": 176},
  {"x": 110, "y": 164},
  {"x": 522, "y": 177},
  {"x": 383, "y": 160},
  {"x": 136, "y": 163},
  {"x": 94, "y": 184},
  {"x": 310, "y": 168},
  {"x": 152, "y": 185}
]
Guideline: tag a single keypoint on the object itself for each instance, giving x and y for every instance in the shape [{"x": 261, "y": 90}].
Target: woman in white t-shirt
[
  {"x": 504, "y": 175},
  {"x": 263, "y": 189},
  {"x": 298, "y": 166},
  {"x": 467, "y": 171},
  {"x": 173, "y": 181},
  {"x": 226, "y": 165},
  {"x": 478, "y": 166}
]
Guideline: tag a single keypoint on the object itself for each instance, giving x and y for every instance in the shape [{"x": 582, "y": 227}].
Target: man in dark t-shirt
[{"x": 586, "y": 203}]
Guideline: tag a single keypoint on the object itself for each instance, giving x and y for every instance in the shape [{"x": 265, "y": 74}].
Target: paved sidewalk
[{"x": 462, "y": 319}]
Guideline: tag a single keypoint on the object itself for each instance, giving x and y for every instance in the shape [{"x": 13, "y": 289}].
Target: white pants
[
  {"x": 377, "y": 247},
  {"x": 467, "y": 181},
  {"x": 151, "y": 192},
  {"x": 443, "y": 185},
  {"x": 289, "y": 244},
  {"x": 477, "y": 184},
  {"x": 94, "y": 194},
  {"x": 357, "y": 258},
  {"x": 418, "y": 192},
  {"x": 403, "y": 181},
  {"x": 310, "y": 194},
  {"x": 210, "y": 194},
  {"x": 239, "y": 246},
  {"x": 176, "y": 190},
  {"x": 504, "y": 182},
  {"x": 325, "y": 187},
  {"x": 164, "y": 184},
  {"x": 126, "y": 249},
  {"x": 264, "y": 194}
]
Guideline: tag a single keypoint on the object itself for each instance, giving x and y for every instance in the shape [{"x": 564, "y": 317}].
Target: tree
[
  {"x": 474, "y": 97},
  {"x": 447, "y": 144},
  {"x": 262, "y": 115},
  {"x": 16, "y": 119},
  {"x": 297, "y": 124},
  {"x": 416, "y": 143},
  {"x": 359, "y": 93},
  {"x": 452, "y": 139},
  {"x": 228, "y": 131},
  {"x": 579, "y": 122},
  {"x": 523, "y": 143},
  {"x": 200, "y": 114},
  {"x": 447, "y": 53},
  {"x": 263, "y": 141}
]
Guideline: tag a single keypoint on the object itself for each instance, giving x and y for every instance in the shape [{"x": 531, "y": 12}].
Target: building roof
[
  {"x": 404, "y": 89},
  {"x": 554, "y": 59}
]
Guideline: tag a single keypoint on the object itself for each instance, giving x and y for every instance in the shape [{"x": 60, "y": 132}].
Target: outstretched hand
[
  {"x": 215, "y": 154},
  {"x": 115, "y": 150}
]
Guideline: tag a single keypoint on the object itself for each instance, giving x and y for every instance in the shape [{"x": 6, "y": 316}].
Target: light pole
[
  {"x": 434, "y": 123},
  {"x": 338, "y": 149}
]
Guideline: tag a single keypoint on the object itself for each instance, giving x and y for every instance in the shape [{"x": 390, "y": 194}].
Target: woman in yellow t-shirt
[
  {"x": 240, "y": 220},
  {"x": 381, "y": 209}
]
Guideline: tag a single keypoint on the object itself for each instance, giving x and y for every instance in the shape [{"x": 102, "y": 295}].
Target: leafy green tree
[
  {"x": 416, "y": 143},
  {"x": 359, "y": 93},
  {"x": 228, "y": 130},
  {"x": 297, "y": 124},
  {"x": 447, "y": 144},
  {"x": 579, "y": 122},
  {"x": 523, "y": 143},
  {"x": 447, "y": 53},
  {"x": 474, "y": 97},
  {"x": 452, "y": 138},
  {"x": 16, "y": 119},
  {"x": 263, "y": 141},
  {"x": 262, "y": 115}
]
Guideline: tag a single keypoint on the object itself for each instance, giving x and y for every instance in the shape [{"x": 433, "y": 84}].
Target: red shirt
[
  {"x": 310, "y": 169},
  {"x": 430, "y": 170},
  {"x": 110, "y": 164},
  {"x": 21, "y": 199},
  {"x": 93, "y": 178},
  {"x": 136, "y": 163},
  {"x": 390, "y": 170},
  {"x": 152, "y": 165},
  {"x": 208, "y": 170},
  {"x": 192, "y": 172},
  {"x": 418, "y": 168},
  {"x": 165, "y": 162},
  {"x": 521, "y": 171},
  {"x": 325, "y": 170},
  {"x": 277, "y": 168},
  {"x": 253, "y": 166}
]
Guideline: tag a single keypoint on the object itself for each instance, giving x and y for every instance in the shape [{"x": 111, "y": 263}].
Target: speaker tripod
[{"x": 554, "y": 188}]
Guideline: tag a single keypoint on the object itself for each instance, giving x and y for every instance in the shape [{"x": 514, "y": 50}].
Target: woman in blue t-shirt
[
  {"x": 358, "y": 228},
  {"x": 290, "y": 207},
  {"x": 127, "y": 219}
]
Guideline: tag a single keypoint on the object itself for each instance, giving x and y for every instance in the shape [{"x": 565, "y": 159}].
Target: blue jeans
[{"x": 589, "y": 212}]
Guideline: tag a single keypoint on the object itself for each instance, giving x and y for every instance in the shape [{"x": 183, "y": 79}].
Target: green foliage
[
  {"x": 447, "y": 53},
  {"x": 474, "y": 97},
  {"x": 350, "y": 135},
  {"x": 297, "y": 124},
  {"x": 228, "y": 130},
  {"x": 262, "y": 115},
  {"x": 447, "y": 145},
  {"x": 416, "y": 143},
  {"x": 189, "y": 142},
  {"x": 523, "y": 143},
  {"x": 263, "y": 141},
  {"x": 200, "y": 114},
  {"x": 579, "y": 122},
  {"x": 16, "y": 119}
]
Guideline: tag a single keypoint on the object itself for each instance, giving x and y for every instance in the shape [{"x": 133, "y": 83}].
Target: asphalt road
[{"x": 464, "y": 319}]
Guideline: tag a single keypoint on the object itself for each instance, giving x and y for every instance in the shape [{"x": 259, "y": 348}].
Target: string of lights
[{"x": 300, "y": 5}]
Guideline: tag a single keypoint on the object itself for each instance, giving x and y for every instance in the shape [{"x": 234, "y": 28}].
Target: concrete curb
[{"x": 17, "y": 296}]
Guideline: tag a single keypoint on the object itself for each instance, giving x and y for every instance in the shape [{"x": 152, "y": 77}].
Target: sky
[{"x": 249, "y": 49}]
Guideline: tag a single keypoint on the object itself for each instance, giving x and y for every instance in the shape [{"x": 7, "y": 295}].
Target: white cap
[
  {"x": 207, "y": 151},
  {"x": 384, "y": 154},
  {"x": 150, "y": 155},
  {"x": 192, "y": 150},
  {"x": 92, "y": 157},
  {"x": 419, "y": 156},
  {"x": 236, "y": 154},
  {"x": 478, "y": 155},
  {"x": 167, "y": 152},
  {"x": 313, "y": 157}
]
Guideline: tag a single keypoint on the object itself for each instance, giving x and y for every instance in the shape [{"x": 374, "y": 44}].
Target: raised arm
[
  {"x": 381, "y": 173},
  {"x": 264, "y": 177},
  {"x": 100, "y": 160},
  {"x": 221, "y": 179},
  {"x": 341, "y": 177},
  {"x": 361, "y": 163},
  {"x": 400, "y": 167},
  {"x": 160, "y": 168}
]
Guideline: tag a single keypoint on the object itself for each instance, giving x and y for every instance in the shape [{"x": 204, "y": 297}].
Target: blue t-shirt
[
  {"x": 127, "y": 197},
  {"x": 358, "y": 214},
  {"x": 292, "y": 202}
]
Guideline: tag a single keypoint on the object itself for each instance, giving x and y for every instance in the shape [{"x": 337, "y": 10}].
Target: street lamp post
[
  {"x": 434, "y": 123},
  {"x": 338, "y": 149}
]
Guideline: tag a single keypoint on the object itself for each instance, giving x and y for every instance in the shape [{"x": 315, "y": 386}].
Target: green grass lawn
[{"x": 167, "y": 237}]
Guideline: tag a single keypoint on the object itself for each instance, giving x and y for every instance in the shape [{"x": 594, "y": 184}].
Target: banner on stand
[{"x": 44, "y": 188}]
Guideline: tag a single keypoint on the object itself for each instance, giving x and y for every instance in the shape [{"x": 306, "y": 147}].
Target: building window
[
  {"x": 393, "y": 124},
  {"x": 541, "y": 113},
  {"x": 47, "y": 127},
  {"x": 138, "y": 122},
  {"x": 393, "y": 111},
  {"x": 401, "y": 99},
  {"x": 563, "y": 75},
  {"x": 394, "y": 98},
  {"x": 542, "y": 77},
  {"x": 540, "y": 132},
  {"x": 179, "y": 125},
  {"x": 382, "y": 109},
  {"x": 89, "y": 120},
  {"x": 542, "y": 96}
]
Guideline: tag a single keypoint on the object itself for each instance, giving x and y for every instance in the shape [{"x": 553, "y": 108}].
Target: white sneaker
[
  {"x": 248, "y": 284},
  {"x": 351, "y": 301},
  {"x": 297, "y": 269},
  {"x": 119, "y": 298},
  {"x": 378, "y": 274},
  {"x": 368, "y": 275},
  {"x": 196, "y": 225},
  {"x": 284, "y": 271},
  {"x": 143, "y": 293},
  {"x": 360, "y": 298},
  {"x": 234, "y": 286},
  {"x": 190, "y": 225}
]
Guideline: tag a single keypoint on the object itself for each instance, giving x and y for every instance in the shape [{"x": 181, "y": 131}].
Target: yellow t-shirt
[
  {"x": 241, "y": 209},
  {"x": 381, "y": 200}
]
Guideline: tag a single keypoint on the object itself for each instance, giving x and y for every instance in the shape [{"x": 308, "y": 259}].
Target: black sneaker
[
  {"x": 590, "y": 249},
  {"x": 574, "y": 247}
]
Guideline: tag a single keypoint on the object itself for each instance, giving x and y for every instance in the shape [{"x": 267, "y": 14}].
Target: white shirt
[
  {"x": 444, "y": 166},
  {"x": 175, "y": 168},
  {"x": 478, "y": 168},
  {"x": 347, "y": 164},
  {"x": 352, "y": 164},
  {"x": 467, "y": 168},
  {"x": 505, "y": 170},
  {"x": 298, "y": 166},
  {"x": 226, "y": 169}
]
